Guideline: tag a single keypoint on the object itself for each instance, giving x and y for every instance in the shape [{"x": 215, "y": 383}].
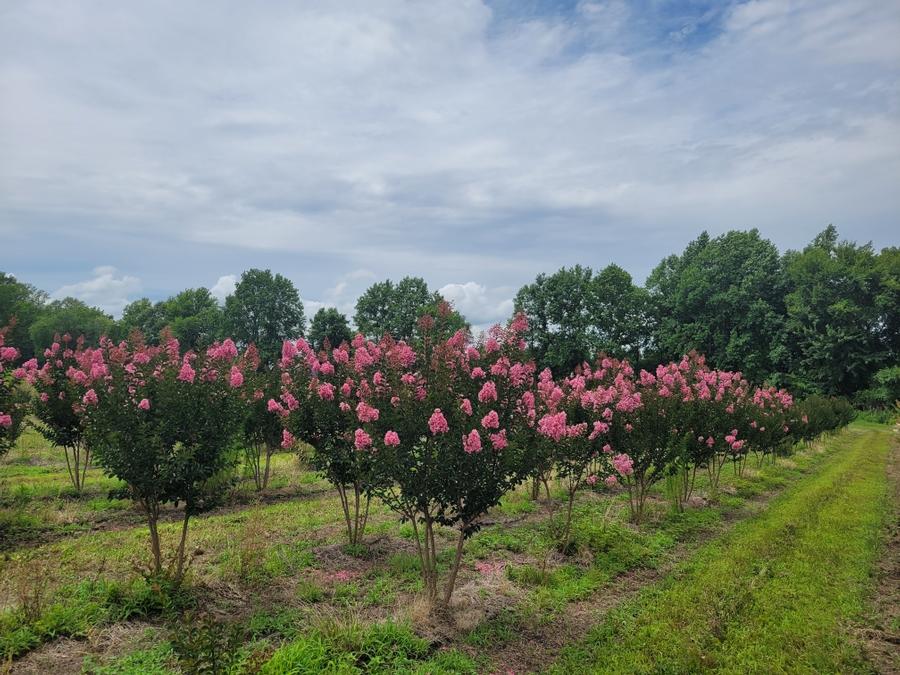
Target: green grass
[
  {"x": 377, "y": 648},
  {"x": 775, "y": 595}
]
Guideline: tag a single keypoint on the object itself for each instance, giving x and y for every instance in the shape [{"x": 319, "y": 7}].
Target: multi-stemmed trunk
[
  {"x": 78, "y": 458},
  {"x": 176, "y": 568},
  {"x": 355, "y": 505},
  {"x": 423, "y": 524},
  {"x": 260, "y": 461}
]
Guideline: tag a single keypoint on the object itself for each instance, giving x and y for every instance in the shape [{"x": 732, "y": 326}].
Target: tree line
[{"x": 820, "y": 320}]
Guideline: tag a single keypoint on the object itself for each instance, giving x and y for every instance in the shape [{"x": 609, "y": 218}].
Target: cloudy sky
[{"x": 148, "y": 147}]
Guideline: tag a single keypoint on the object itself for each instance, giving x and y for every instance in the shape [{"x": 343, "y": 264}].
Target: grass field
[{"x": 773, "y": 575}]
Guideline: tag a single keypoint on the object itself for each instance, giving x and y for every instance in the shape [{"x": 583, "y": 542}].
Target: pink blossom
[
  {"x": 8, "y": 353},
  {"x": 90, "y": 397},
  {"x": 491, "y": 420},
  {"x": 466, "y": 406},
  {"x": 340, "y": 355},
  {"x": 623, "y": 464},
  {"x": 499, "y": 440},
  {"x": 274, "y": 406},
  {"x": 488, "y": 392},
  {"x": 477, "y": 373},
  {"x": 591, "y": 480},
  {"x": 437, "y": 423},
  {"x": 144, "y": 404},
  {"x": 344, "y": 406},
  {"x": 288, "y": 352},
  {"x": 287, "y": 439},
  {"x": 599, "y": 428},
  {"x": 472, "y": 442},
  {"x": 44, "y": 397},
  {"x": 5, "y": 420},
  {"x": 611, "y": 480},
  {"x": 326, "y": 391},
  {"x": 366, "y": 413},
  {"x": 489, "y": 567},
  {"x": 607, "y": 449},
  {"x": 326, "y": 368},
  {"x": 236, "y": 378},
  {"x": 187, "y": 373},
  {"x": 361, "y": 439},
  {"x": 395, "y": 401},
  {"x": 290, "y": 401},
  {"x": 391, "y": 438},
  {"x": 491, "y": 346},
  {"x": 553, "y": 426}
]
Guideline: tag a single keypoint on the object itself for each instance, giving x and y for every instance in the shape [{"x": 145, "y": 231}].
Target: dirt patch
[
  {"x": 65, "y": 657},
  {"x": 880, "y": 636}
]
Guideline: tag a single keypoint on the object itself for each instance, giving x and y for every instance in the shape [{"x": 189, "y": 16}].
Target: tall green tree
[
  {"x": 145, "y": 316},
  {"x": 265, "y": 309},
  {"x": 841, "y": 309},
  {"x": 386, "y": 307},
  {"x": 723, "y": 297},
  {"x": 195, "y": 317},
  {"x": 20, "y": 304},
  {"x": 574, "y": 314},
  {"x": 71, "y": 316},
  {"x": 328, "y": 324}
]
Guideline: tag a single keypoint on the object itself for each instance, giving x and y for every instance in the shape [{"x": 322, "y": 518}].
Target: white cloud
[
  {"x": 224, "y": 287},
  {"x": 481, "y": 306},
  {"x": 104, "y": 290},
  {"x": 343, "y": 135}
]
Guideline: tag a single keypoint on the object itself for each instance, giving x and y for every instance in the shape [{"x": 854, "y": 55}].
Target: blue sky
[{"x": 149, "y": 147}]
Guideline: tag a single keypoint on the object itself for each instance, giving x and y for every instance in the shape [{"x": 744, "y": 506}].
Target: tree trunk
[
  {"x": 179, "y": 556},
  {"x": 457, "y": 559}
]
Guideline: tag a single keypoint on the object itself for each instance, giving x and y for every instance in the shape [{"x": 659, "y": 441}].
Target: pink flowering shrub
[
  {"x": 325, "y": 399},
  {"x": 262, "y": 432},
  {"x": 165, "y": 435},
  {"x": 573, "y": 428},
  {"x": 13, "y": 401},
  {"x": 70, "y": 379},
  {"x": 453, "y": 415}
]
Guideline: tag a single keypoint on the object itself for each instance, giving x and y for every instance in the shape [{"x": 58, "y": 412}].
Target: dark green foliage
[
  {"x": 724, "y": 298},
  {"x": 264, "y": 310},
  {"x": 575, "y": 314},
  {"x": 329, "y": 324},
  {"x": 842, "y": 307},
  {"x": 72, "y": 317},
  {"x": 386, "y": 307},
  {"x": 193, "y": 316},
  {"x": 20, "y": 306}
]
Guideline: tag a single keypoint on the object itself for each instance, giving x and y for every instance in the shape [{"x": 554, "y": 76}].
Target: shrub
[
  {"x": 164, "y": 425},
  {"x": 65, "y": 384},
  {"x": 449, "y": 431},
  {"x": 13, "y": 401}
]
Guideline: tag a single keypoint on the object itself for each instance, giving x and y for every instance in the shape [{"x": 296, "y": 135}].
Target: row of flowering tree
[
  {"x": 442, "y": 432},
  {"x": 439, "y": 433}
]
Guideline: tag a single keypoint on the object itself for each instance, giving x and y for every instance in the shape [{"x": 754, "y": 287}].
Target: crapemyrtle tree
[
  {"x": 571, "y": 439},
  {"x": 64, "y": 384},
  {"x": 13, "y": 401},
  {"x": 446, "y": 434},
  {"x": 262, "y": 431},
  {"x": 164, "y": 425},
  {"x": 323, "y": 401}
]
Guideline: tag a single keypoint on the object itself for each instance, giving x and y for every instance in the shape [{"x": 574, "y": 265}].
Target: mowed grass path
[{"x": 778, "y": 594}]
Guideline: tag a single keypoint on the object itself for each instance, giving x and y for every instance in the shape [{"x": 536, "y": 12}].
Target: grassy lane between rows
[{"x": 778, "y": 594}]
